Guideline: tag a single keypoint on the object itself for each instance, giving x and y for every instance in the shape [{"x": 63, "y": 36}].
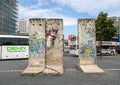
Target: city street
[{"x": 10, "y": 73}]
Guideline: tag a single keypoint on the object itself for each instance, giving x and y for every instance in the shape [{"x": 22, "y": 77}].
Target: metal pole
[
  {"x": 118, "y": 36},
  {"x": 76, "y": 43}
]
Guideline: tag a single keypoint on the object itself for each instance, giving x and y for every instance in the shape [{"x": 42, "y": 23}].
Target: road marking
[
  {"x": 6, "y": 71},
  {"x": 70, "y": 69},
  {"x": 113, "y": 69}
]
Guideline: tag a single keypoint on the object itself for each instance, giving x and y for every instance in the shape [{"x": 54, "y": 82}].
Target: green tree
[{"x": 105, "y": 29}]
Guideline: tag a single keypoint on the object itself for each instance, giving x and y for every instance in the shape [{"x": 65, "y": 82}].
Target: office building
[
  {"x": 8, "y": 16},
  {"x": 22, "y": 26}
]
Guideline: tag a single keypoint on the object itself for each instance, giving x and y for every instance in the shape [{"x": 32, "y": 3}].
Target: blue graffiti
[
  {"x": 92, "y": 50},
  {"x": 36, "y": 45},
  {"x": 87, "y": 34}
]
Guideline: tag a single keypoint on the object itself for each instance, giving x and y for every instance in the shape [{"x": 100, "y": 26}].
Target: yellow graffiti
[{"x": 87, "y": 51}]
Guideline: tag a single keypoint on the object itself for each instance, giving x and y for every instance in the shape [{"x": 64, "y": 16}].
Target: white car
[
  {"x": 73, "y": 52},
  {"x": 108, "y": 51}
]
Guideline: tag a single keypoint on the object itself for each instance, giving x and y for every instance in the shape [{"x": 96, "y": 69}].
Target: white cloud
[
  {"x": 66, "y": 20},
  {"x": 92, "y": 7},
  {"x": 28, "y": 13}
]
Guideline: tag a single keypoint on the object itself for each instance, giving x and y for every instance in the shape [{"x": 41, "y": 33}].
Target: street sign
[
  {"x": 119, "y": 39},
  {"x": 69, "y": 37}
]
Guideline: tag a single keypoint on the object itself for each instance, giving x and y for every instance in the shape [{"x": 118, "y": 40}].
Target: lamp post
[{"x": 119, "y": 35}]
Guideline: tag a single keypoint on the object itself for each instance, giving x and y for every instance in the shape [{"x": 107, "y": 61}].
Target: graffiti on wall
[
  {"x": 52, "y": 33},
  {"x": 37, "y": 44},
  {"x": 88, "y": 34},
  {"x": 87, "y": 48},
  {"x": 51, "y": 36},
  {"x": 54, "y": 45}
]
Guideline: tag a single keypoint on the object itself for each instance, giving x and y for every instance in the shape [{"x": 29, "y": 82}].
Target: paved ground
[{"x": 10, "y": 73}]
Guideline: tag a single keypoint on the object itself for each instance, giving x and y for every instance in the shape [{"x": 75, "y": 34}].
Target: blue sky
[{"x": 69, "y": 10}]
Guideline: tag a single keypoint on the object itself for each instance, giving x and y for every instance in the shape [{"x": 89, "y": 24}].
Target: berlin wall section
[
  {"x": 36, "y": 61},
  {"x": 46, "y": 46},
  {"x": 54, "y": 46},
  {"x": 87, "y": 46}
]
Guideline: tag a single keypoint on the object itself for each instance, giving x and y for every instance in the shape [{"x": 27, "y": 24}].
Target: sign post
[{"x": 119, "y": 39}]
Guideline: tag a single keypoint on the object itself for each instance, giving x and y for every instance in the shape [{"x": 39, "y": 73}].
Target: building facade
[
  {"x": 8, "y": 16},
  {"x": 117, "y": 25},
  {"x": 22, "y": 26}
]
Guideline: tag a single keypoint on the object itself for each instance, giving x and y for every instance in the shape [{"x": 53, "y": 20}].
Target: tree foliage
[{"x": 105, "y": 29}]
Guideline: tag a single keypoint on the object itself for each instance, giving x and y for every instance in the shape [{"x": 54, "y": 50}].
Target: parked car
[{"x": 108, "y": 52}]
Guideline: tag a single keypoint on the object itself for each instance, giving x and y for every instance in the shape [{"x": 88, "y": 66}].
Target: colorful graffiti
[
  {"x": 87, "y": 47},
  {"x": 37, "y": 45},
  {"x": 54, "y": 45},
  {"x": 87, "y": 51},
  {"x": 51, "y": 36},
  {"x": 88, "y": 34}
]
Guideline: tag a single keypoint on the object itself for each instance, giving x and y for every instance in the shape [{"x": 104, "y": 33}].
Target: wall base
[
  {"x": 90, "y": 68},
  {"x": 33, "y": 70},
  {"x": 54, "y": 70}
]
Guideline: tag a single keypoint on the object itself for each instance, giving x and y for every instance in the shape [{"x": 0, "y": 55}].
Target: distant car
[
  {"x": 66, "y": 50},
  {"x": 108, "y": 51},
  {"x": 73, "y": 52}
]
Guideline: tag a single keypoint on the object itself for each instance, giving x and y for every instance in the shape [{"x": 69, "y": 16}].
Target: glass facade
[
  {"x": 8, "y": 16},
  {"x": 14, "y": 41}
]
